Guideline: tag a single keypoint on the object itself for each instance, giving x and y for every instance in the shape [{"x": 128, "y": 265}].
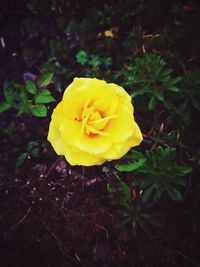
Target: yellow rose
[{"x": 93, "y": 123}]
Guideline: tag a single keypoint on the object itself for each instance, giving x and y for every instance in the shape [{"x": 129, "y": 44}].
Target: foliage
[
  {"x": 190, "y": 92},
  {"x": 149, "y": 77},
  {"x": 159, "y": 173},
  {"x": 53, "y": 214},
  {"x": 95, "y": 66},
  {"x": 32, "y": 149},
  {"x": 139, "y": 216},
  {"x": 30, "y": 97},
  {"x": 120, "y": 192}
]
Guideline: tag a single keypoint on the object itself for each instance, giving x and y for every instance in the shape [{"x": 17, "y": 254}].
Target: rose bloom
[{"x": 93, "y": 123}]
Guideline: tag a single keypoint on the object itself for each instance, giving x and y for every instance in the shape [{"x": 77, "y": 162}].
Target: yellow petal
[
  {"x": 123, "y": 96},
  {"x": 100, "y": 124},
  {"x": 136, "y": 138},
  {"x": 76, "y": 84},
  {"x": 58, "y": 115},
  {"x": 117, "y": 151},
  {"x": 54, "y": 137},
  {"x": 93, "y": 144},
  {"x": 122, "y": 126},
  {"x": 73, "y": 105},
  {"x": 93, "y": 130},
  {"x": 70, "y": 130},
  {"x": 78, "y": 157}
]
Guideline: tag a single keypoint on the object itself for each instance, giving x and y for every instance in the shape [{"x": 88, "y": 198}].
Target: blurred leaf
[
  {"x": 35, "y": 152},
  {"x": 82, "y": 57},
  {"x": 44, "y": 91},
  {"x": 31, "y": 87},
  {"x": 159, "y": 95},
  {"x": 31, "y": 145},
  {"x": 130, "y": 167},
  {"x": 173, "y": 193},
  {"x": 196, "y": 103},
  {"x": 45, "y": 79},
  {"x": 39, "y": 110},
  {"x": 95, "y": 61},
  {"x": 152, "y": 103},
  {"x": 148, "y": 192},
  {"x": 42, "y": 99},
  {"x": 4, "y": 106},
  {"x": 20, "y": 160},
  {"x": 8, "y": 93}
]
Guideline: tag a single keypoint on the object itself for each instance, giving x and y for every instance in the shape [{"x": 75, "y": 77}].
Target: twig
[
  {"x": 188, "y": 258},
  {"x": 51, "y": 168},
  {"x": 22, "y": 219}
]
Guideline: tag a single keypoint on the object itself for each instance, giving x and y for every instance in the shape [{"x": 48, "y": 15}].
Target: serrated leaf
[
  {"x": 42, "y": 99},
  {"x": 95, "y": 61},
  {"x": 4, "y": 106},
  {"x": 45, "y": 79},
  {"x": 31, "y": 87},
  {"x": 82, "y": 57},
  {"x": 39, "y": 110},
  {"x": 130, "y": 167}
]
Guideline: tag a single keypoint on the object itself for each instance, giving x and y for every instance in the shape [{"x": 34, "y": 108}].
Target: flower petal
[
  {"x": 54, "y": 137},
  {"x": 122, "y": 126},
  {"x": 70, "y": 130},
  {"x": 78, "y": 157},
  {"x": 136, "y": 138},
  {"x": 93, "y": 144}
]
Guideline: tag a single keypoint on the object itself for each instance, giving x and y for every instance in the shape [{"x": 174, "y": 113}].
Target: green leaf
[
  {"x": 39, "y": 110},
  {"x": 130, "y": 167},
  {"x": 23, "y": 101},
  {"x": 21, "y": 159},
  {"x": 148, "y": 194},
  {"x": 4, "y": 106},
  {"x": 196, "y": 104},
  {"x": 180, "y": 181},
  {"x": 45, "y": 79},
  {"x": 82, "y": 57},
  {"x": 152, "y": 103},
  {"x": 159, "y": 95},
  {"x": 177, "y": 80},
  {"x": 8, "y": 93},
  {"x": 44, "y": 91},
  {"x": 31, "y": 145},
  {"x": 173, "y": 193},
  {"x": 173, "y": 88},
  {"x": 147, "y": 181},
  {"x": 95, "y": 61},
  {"x": 34, "y": 152},
  {"x": 41, "y": 98},
  {"x": 184, "y": 170},
  {"x": 31, "y": 87}
]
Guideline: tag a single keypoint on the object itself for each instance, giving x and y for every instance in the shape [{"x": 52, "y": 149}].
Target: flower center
[{"x": 93, "y": 121}]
